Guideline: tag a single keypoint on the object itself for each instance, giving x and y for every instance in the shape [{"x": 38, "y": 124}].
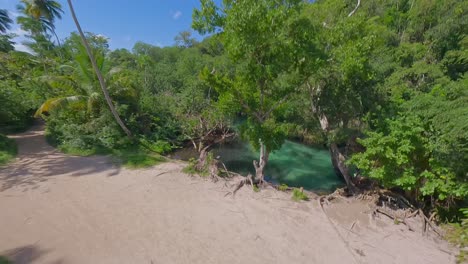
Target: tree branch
[{"x": 355, "y": 9}]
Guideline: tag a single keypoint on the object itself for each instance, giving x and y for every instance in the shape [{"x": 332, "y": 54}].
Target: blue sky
[{"x": 155, "y": 22}]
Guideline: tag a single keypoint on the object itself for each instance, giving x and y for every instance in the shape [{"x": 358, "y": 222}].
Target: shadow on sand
[
  {"x": 24, "y": 255},
  {"x": 37, "y": 161}
]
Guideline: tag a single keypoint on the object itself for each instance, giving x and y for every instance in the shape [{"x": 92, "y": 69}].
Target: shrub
[
  {"x": 404, "y": 156},
  {"x": 299, "y": 195},
  {"x": 283, "y": 187},
  {"x": 7, "y": 149},
  {"x": 457, "y": 234},
  {"x": 190, "y": 168},
  {"x": 136, "y": 157},
  {"x": 159, "y": 146}
]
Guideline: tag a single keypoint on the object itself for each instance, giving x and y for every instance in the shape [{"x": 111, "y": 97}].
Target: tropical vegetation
[{"x": 382, "y": 84}]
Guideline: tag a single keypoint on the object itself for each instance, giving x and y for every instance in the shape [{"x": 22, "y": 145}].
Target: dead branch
[
  {"x": 427, "y": 221},
  {"x": 355, "y": 9},
  {"x": 225, "y": 169},
  {"x": 393, "y": 217},
  {"x": 240, "y": 185}
]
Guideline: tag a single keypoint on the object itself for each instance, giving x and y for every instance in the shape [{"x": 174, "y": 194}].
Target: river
[{"x": 295, "y": 164}]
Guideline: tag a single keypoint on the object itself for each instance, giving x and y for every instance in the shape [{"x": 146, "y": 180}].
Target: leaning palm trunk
[{"x": 98, "y": 73}]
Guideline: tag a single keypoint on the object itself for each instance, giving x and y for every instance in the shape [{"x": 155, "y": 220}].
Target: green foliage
[
  {"x": 255, "y": 188},
  {"x": 299, "y": 195},
  {"x": 18, "y": 94},
  {"x": 283, "y": 187},
  {"x": 4, "y": 260},
  {"x": 457, "y": 234},
  {"x": 265, "y": 47},
  {"x": 159, "y": 146},
  {"x": 190, "y": 168},
  {"x": 137, "y": 157},
  {"x": 7, "y": 149},
  {"x": 403, "y": 156},
  {"x": 393, "y": 74},
  {"x": 5, "y": 21}
]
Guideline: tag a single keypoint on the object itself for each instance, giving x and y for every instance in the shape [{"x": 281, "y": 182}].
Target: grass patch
[
  {"x": 298, "y": 195},
  {"x": 255, "y": 188},
  {"x": 192, "y": 170},
  {"x": 83, "y": 152},
  {"x": 283, "y": 187},
  {"x": 457, "y": 234},
  {"x": 136, "y": 158},
  {"x": 8, "y": 149},
  {"x": 4, "y": 260}
]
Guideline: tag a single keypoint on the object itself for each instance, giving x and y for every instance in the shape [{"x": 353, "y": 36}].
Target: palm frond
[
  {"x": 5, "y": 20},
  {"x": 58, "y": 103}
]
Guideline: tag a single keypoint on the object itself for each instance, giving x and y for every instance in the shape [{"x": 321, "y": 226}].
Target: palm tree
[
  {"x": 80, "y": 78},
  {"x": 43, "y": 11},
  {"x": 98, "y": 73},
  {"x": 48, "y": 9},
  {"x": 5, "y": 21}
]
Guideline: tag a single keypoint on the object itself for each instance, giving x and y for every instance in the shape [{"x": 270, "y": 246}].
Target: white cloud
[
  {"x": 18, "y": 32},
  {"x": 102, "y": 36},
  {"x": 13, "y": 15},
  {"x": 177, "y": 15},
  {"x": 22, "y": 47},
  {"x": 159, "y": 44}
]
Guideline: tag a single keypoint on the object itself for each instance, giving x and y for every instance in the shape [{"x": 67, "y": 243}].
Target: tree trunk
[
  {"x": 98, "y": 73},
  {"x": 203, "y": 155},
  {"x": 260, "y": 166},
  {"x": 338, "y": 161}
]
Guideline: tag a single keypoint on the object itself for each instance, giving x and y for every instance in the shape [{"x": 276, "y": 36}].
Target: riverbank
[
  {"x": 294, "y": 164},
  {"x": 58, "y": 208}
]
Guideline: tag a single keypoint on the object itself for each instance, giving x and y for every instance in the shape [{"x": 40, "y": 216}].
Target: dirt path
[{"x": 57, "y": 208}]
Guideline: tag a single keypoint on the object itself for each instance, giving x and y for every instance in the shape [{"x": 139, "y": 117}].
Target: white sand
[{"x": 64, "y": 209}]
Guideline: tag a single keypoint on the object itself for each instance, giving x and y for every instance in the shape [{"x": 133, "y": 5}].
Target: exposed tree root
[
  {"x": 248, "y": 180},
  {"x": 427, "y": 221},
  {"x": 393, "y": 217},
  {"x": 393, "y": 206},
  {"x": 392, "y": 200}
]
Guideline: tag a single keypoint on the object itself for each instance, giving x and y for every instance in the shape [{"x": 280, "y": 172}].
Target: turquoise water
[{"x": 294, "y": 164}]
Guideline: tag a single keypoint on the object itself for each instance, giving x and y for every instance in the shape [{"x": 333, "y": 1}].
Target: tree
[
  {"x": 98, "y": 73},
  {"x": 264, "y": 39},
  {"x": 6, "y": 44},
  {"x": 5, "y": 21},
  {"x": 44, "y": 12},
  {"x": 184, "y": 39},
  {"x": 341, "y": 82},
  {"x": 77, "y": 79}
]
